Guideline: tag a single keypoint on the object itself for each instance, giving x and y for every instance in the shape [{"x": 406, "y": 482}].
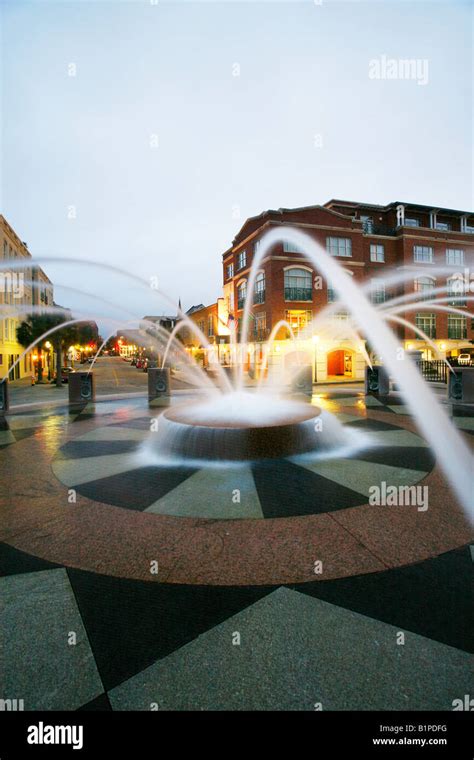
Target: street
[{"x": 112, "y": 375}]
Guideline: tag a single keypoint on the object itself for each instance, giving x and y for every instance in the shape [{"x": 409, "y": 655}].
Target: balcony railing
[
  {"x": 259, "y": 296},
  {"x": 259, "y": 335},
  {"x": 298, "y": 294}
]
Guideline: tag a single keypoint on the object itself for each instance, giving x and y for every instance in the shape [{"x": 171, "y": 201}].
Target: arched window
[
  {"x": 298, "y": 285},
  {"x": 456, "y": 289},
  {"x": 259, "y": 293},
  {"x": 241, "y": 294},
  {"x": 423, "y": 288}
]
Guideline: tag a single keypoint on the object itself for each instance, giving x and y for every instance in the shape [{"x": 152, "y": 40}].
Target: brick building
[{"x": 434, "y": 246}]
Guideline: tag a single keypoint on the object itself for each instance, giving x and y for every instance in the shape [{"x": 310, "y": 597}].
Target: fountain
[
  {"x": 242, "y": 426},
  {"x": 231, "y": 423}
]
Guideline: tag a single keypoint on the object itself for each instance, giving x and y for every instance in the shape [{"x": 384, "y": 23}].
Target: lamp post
[{"x": 47, "y": 346}]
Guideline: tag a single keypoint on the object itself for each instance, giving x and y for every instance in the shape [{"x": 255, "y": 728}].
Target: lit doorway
[{"x": 340, "y": 363}]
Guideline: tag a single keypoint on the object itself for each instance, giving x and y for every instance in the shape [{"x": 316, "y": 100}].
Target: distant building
[
  {"x": 213, "y": 330},
  {"x": 19, "y": 287}
]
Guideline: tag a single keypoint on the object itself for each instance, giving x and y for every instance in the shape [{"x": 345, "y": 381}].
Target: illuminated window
[{"x": 298, "y": 319}]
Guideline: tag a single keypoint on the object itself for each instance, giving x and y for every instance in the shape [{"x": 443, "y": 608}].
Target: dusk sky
[{"x": 185, "y": 118}]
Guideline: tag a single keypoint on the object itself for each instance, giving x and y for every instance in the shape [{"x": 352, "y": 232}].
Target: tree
[{"x": 34, "y": 327}]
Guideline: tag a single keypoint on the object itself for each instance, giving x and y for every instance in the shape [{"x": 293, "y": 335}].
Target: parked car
[
  {"x": 65, "y": 372},
  {"x": 464, "y": 359}
]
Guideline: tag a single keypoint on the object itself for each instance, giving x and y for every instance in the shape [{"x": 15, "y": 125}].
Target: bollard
[
  {"x": 4, "y": 405},
  {"x": 159, "y": 387},
  {"x": 80, "y": 388},
  {"x": 461, "y": 384},
  {"x": 302, "y": 382},
  {"x": 377, "y": 382}
]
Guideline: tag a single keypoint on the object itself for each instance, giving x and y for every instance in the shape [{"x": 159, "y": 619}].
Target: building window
[
  {"x": 332, "y": 295},
  {"x": 241, "y": 260},
  {"x": 455, "y": 289},
  {"x": 260, "y": 326},
  {"x": 298, "y": 286},
  {"x": 229, "y": 271},
  {"x": 201, "y": 325},
  {"x": 457, "y": 327},
  {"x": 423, "y": 254},
  {"x": 210, "y": 326},
  {"x": 256, "y": 246},
  {"x": 443, "y": 226},
  {"x": 424, "y": 287},
  {"x": 377, "y": 252},
  {"x": 338, "y": 246},
  {"x": 411, "y": 222},
  {"x": 427, "y": 323},
  {"x": 298, "y": 319},
  {"x": 455, "y": 256},
  {"x": 377, "y": 291},
  {"x": 241, "y": 294},
  {"x": 290, "y": 247},
  {"x": 259, "y": 292},
  {"x": 1, "y": 358}
]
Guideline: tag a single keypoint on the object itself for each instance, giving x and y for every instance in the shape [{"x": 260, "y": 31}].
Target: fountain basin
[{"x": 236, "y": 428}]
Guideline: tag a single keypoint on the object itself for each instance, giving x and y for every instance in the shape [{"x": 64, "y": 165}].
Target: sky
[{"x": 142, "y": 134}]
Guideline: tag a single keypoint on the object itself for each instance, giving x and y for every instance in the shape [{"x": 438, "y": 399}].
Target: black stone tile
[
  {"x": 80, "y": 449},
  {"x": 432, "y": 598},
  {"x": 393, "y": 400},
  {"x": 130, "y": 624},
  {"x": 287, "y": 490},
  {"x": 139, "y": 423},
  {"x": 13, "y": 562},
  {"x": 23, "y": 433},
  {"x": 411, "y": 457},
  {"x": 369, "y": 424},
  {"x": 100, "y": 703},
  {"x": 136, "y": 489}
]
